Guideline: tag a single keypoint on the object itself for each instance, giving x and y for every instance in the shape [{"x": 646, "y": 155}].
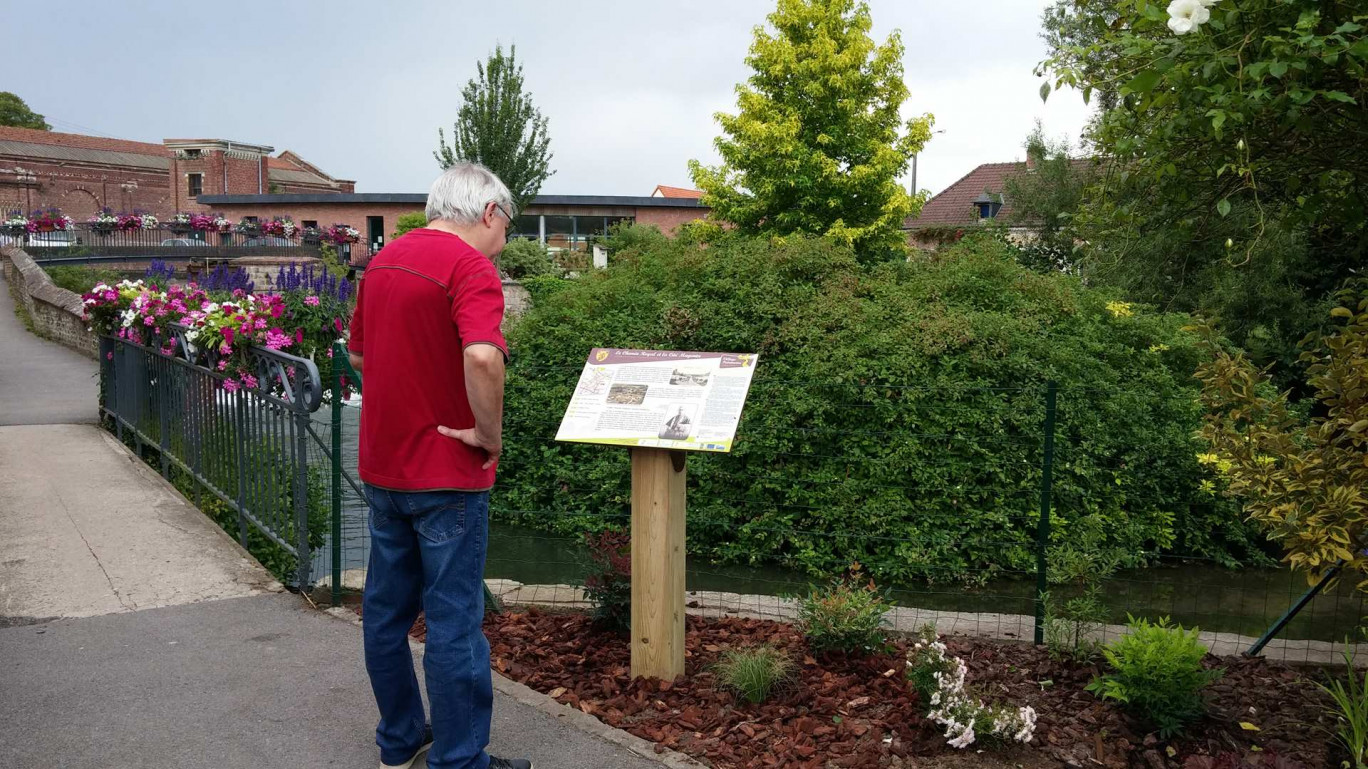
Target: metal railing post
[
  {"x": 240, "y": 452},
  {"x": 163, "y": 417},
  {"x": 1043, "y": 527},
  {"x": 339, "y": 351},
  {"x": 301, "y": 482}
]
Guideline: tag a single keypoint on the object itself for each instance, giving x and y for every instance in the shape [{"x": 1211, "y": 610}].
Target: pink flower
[
  {"x": 329, "y": 352},
  {"x": 230, "y": 385},
  {"x": 337, "y": 324},
  {"x": 238, "y": 293},
  {"x": 227, "y": 336},
  {"x": 149, "y": 321},
  {"x": 225, "y": 349},
  {"x": 276, "y": 339},
  {"x": 260, "y": 324},
  {"x": 109, "y": 356},
  {"x": 312, "y": 301},
  {"x": 222, "y": 365},
  {"x": 277, "y": 311},
  {"x": 299, "y": 336},
  {"x": 249, "y": 381}
]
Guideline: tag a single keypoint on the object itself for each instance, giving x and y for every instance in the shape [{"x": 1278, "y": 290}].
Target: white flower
[
  {"x": 1187, "y": 15},
  {"x": 965, "y": 739}
]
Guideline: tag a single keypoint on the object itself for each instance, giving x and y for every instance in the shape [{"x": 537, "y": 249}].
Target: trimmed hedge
[{"x": 896, "y": 415}]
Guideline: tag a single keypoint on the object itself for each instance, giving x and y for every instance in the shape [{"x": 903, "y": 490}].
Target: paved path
[
  {"x": 260, "y": 682},
  {"x": 136, "y": 633},
  {"x": 41, "y": 382}
]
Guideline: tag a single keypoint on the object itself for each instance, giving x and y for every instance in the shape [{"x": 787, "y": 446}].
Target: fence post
[
  {"x": 658, "y": 483},
  {"x": 163, "y": 416},
  {"x": 338, "y": 352},
  {"x": 301, "y": 482},
  {"x": 239, "y": 443},
  {"x": 1043, "y": 528}
]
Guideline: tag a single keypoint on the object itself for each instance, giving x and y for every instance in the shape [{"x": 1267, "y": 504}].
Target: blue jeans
[{"x": 428, "y": 552}]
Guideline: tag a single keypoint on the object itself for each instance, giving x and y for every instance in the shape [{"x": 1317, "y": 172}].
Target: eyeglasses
[{"x": 503, "y": 211}]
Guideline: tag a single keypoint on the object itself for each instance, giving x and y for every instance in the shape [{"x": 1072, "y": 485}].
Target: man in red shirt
[{"x": 425, "y": 334}]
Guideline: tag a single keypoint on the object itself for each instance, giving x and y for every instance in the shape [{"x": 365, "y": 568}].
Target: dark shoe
[
  {"x": 427, "y": 743},
  {"x": 509, "y": 763}
]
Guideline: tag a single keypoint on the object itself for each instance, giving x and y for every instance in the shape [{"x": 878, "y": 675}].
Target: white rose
[{"x": 1187, "y": 15}]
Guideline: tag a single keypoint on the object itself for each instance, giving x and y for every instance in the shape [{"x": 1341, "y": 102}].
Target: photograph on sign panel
[
  {"x": 626, "y": 394},
  {"x": 679, "y": 423},
  {"x": 690, "y": 376}
]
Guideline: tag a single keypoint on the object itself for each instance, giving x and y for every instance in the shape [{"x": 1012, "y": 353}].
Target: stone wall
[{"x": 56, "y": 312}]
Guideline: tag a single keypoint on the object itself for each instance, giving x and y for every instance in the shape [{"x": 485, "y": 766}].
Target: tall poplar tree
[
  {"x": 818, "y": 143},
  {"x": 499, "y": 127}
]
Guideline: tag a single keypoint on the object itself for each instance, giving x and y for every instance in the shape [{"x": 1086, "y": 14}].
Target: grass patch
[{"x": 754, "y": 673}]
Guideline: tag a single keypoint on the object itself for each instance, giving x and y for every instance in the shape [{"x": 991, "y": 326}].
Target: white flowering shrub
[{"x": 939, "y": 679}]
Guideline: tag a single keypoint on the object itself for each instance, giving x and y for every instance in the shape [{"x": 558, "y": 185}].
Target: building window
[
  {"x": 309, "y": 223},
  {"x": 195, "y": 185}
]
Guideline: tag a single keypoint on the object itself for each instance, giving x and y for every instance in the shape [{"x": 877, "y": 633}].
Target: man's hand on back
[{"x": 471, "y": 436}]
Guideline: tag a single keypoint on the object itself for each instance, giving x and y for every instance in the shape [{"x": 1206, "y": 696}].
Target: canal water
[{"x": 1206, "y": 595}]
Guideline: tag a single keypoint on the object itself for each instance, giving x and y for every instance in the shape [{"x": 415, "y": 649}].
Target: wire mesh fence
[{"x": 538, "y": 555}]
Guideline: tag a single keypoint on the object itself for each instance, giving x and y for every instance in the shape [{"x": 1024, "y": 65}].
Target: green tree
[
  {"x": 817, "y": 145},
  {"x": 1046, "y": 198},
  {"x": 499, "y": 127},
  {"x": 14, "y": 112},
  {"x": 1236, "y": 182},
  {"x": 410, "y": 221}
]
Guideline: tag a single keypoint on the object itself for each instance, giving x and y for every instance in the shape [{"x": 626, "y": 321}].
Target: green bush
[
  {"x": 81, "y": 279},
  {"x": 1157, "y": 674},
  {"x": 846, "y": 616},
  {"x": 754, "y": 673},
  {"x": 523, "y": 258},
  {"x": 409, "y": 221},
  {"x": 895, "y": 417}
]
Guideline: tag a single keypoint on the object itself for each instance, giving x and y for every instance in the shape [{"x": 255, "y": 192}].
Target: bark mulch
[{"x": 858, "y": 712}]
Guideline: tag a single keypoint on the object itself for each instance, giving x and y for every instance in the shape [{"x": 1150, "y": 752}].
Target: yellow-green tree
[
  {"x": 1304, "y": 480},
  {"x": 818, "y": 143}
]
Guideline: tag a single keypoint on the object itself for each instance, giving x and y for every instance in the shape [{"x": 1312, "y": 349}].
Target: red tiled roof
[
  {"x": 955, "y": 204},
  {"x": 677, "y": 192},
  {"x": 79, "y": 141}
]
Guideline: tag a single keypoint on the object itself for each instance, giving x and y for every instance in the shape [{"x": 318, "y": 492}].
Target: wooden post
[{"x": 658, "y": 563}]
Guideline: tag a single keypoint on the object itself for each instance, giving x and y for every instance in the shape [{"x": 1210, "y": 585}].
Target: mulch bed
[{"x": 858, "y": 712}]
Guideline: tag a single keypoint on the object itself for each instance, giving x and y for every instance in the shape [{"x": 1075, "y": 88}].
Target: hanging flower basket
[
  {"x": 103, "y": 222},
  {"x": 247, "y": 228},
  {"x": 341, "y": 234},
  {"x": 49, "y": 220},
  {"x": 180, "y": 223}
]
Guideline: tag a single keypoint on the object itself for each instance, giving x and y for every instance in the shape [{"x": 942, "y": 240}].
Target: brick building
[
  {"x": 82, "y": 174},
  {"x": 559, "y": 221}
]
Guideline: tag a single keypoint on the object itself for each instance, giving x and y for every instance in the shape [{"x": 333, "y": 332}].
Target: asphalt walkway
[
  {"x": 41, "y": 382},
  {"x": 136, "y": 633}
]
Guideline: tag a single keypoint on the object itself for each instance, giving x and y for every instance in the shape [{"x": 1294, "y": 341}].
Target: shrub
[
  {"x": 939, "y": 679},
  {"x": 1157, "y": 674},
  {"x": 755, "y": 672},
  {"x": 895, "y": 417},
  {"x": 1071, "y": 624},
  {"x": 522, "y": 258},
  {"x": 609, "y": 585},
  {"x": 844, "y": 616},
  {"x": 410, "y": 221},
  {"x": 80, "y": 280}
]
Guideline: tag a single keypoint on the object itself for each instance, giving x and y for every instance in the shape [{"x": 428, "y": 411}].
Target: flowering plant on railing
[
  {"x": 340, "y": 234},
  {"x": 181, "y": 222},
  {"x": 221, "y": 224},
  {"x": 223, "y": 319},
  {"x": 104, "y": 221},
  {"x": 247, "y": 227},
  {"x": 49, "y": 219},
  {"x": 137, "y": 221},
  {"x": 280, "y": 226},
  {"x": 15, "y": 224},
  {"x": 939, "y": 677}
]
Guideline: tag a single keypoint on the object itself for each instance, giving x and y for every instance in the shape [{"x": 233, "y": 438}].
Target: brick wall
[
  {"x": 56, "y": 312},
  {"x": 668, "y": 219},
  {"x": 80, "y": 191}
]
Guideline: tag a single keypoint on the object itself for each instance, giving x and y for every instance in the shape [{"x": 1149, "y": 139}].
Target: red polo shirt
[{"x": 424, "y": 298}]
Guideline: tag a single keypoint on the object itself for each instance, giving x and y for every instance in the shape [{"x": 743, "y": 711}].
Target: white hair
[{"x": 462, "y": 192}]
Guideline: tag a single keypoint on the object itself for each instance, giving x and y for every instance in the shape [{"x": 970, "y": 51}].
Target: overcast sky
[{"x": 629, "y": 88}]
